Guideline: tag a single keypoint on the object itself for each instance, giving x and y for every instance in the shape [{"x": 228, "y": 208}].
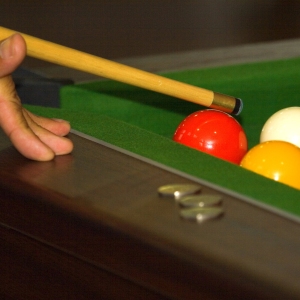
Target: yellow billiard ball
[{"x": 277, "y": 160}]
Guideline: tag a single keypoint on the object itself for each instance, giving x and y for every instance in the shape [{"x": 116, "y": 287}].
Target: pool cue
[{"x": 88, "y": 63}]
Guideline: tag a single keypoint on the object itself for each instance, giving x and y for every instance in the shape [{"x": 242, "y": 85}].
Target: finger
[
  {"x": 30, "y": 146},
  {"x": 58, "y": 144},
  {"x": 58, "y": 127},
  {"x": 15, "y": 126},
  {"x": 12, "y": 53}
]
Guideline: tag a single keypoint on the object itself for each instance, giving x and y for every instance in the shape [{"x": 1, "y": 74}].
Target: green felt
[{"x": 144, "y": 122}]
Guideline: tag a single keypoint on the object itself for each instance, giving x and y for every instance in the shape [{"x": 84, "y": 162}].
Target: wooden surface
[
  {"x": 84, "y": 219},
  {"x": 91, "y": 226}
]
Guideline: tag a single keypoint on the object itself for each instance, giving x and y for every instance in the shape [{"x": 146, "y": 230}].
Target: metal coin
[
  {"x": 201, "y": 215},
  {"x": 178, "y": 190},
  {"x": 200, "y": 200}
]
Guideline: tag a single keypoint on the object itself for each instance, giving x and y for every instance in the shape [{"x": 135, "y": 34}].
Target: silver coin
[
  {"x": 200, "y": 200},
  {"x": 178, "y": 190},
  {"x": 201, "y": 215}
]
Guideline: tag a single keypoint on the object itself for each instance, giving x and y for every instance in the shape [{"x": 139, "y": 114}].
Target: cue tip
[{"x": 238, "y": 106}]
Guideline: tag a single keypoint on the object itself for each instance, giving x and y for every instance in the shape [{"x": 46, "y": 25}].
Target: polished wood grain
[
  {"x": 96, "y": 213},
  {"x": 31, "y": 269}
]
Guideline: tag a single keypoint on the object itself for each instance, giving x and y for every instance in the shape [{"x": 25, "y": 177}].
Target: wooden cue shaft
[{"x": 88, "y": 63}]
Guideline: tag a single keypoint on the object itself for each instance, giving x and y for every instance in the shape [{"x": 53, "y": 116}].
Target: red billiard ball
[{"x": 214, "y": 132}]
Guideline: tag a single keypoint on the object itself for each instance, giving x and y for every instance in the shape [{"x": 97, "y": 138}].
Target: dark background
[{"x": 123, "y": 28}]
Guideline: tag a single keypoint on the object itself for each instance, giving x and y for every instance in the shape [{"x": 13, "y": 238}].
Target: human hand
[{"x": 35, "y": 137}]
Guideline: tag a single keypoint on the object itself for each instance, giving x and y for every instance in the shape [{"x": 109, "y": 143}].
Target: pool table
[{"x": 91, "y": 225}]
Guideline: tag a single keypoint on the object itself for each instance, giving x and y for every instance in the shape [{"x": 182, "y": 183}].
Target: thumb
[{"x": 12, "y": 53}]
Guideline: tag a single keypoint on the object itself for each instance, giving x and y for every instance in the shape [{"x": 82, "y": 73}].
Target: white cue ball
[{"x": 284, "y": 125}]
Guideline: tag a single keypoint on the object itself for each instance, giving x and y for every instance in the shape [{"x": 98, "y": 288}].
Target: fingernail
[
  {"x": 6, "y": 49},
  {"x": 60, "y": 120}
]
